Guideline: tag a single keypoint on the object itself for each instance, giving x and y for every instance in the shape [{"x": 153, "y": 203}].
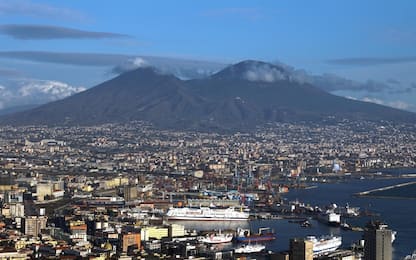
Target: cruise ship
[
  {"x": 206, "y": 214},
  {"x": 325, "y": 244}
]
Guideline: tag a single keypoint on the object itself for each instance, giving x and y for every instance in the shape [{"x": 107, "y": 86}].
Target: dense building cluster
[
  {"x": 101, "y": 192},
  {"x": 353, "y": 146}
]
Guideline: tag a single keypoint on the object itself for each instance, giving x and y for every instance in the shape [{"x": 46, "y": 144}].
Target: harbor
[{"x": 275, "y": 226}]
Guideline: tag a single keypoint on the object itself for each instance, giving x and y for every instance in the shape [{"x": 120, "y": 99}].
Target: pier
[{"x": 368, "y": 193}]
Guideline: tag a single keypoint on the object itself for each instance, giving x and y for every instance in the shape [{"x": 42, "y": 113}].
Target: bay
[{"x": 399, "y": 214}]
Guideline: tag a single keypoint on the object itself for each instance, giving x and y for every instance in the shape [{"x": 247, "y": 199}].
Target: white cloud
[
  {"x": 373, "y": 100},
  {"x": 139, "y": 62},
  {"x": 130, "y": 64},
  {"x": 4, "y": 92},
  {"x": 34, "y": 91},
  {"x": 400, "y": 105},
  {"x": 349, "y": 97},
  {"x": 48, "y": 89},
  {"x": 264, "y": 73}
]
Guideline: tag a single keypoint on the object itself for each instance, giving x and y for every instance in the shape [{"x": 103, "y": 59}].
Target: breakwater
[{"x": 371, "y": 192}]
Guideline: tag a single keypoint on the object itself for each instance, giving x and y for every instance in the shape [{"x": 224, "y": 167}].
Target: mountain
[
  {"x": 278, "y": 97},
  {"x": 142, "y": 94},
  {"x": 240, "y": 96},
  {"x": 15, "y": 109}
]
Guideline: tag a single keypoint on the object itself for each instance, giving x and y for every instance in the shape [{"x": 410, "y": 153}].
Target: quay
[{"x": 367, "y": 193}]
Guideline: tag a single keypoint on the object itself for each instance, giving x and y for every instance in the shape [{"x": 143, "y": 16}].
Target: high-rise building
[
  {"x": 377, "y": 242},
  {"x": 130, "y": 193},
  {"x": 34, "y": 224},
  {"x": 301, "y": 249}
]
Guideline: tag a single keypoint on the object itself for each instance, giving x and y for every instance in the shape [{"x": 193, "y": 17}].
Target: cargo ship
[
  {"x": 264, "y": 234},
  {"x": 325, "y": 244},
  {"x": 207, "y": 214}
]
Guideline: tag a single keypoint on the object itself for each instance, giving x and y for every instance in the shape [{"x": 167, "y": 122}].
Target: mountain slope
[
  {"x": 277, "y": 97},
  {"x": 135, "y": 95},
  {"x": 241, "y": 96},
  {"x": 15, "y": 109}
]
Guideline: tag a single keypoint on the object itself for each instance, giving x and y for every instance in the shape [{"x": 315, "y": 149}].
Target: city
[{"x": 105, "y": 191}]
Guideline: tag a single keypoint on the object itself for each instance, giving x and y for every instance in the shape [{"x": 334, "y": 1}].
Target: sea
[{"x": 398, "y": 213}]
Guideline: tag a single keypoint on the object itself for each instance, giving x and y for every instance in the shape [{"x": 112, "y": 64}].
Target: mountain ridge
[{"x": 241, "y": 96}]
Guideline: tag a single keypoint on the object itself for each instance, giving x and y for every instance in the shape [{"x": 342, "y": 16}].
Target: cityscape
[
  {"x": 110, "y": 191},
  {"x": 235, "y": 130}
]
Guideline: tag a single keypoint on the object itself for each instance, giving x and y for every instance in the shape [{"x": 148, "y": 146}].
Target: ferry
[
  {"x": 325, "y": 244},
  {"x": 207, "y": 214}
]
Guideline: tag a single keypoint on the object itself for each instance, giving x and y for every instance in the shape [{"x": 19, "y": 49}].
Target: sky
[{"x": 364, "y": 50}]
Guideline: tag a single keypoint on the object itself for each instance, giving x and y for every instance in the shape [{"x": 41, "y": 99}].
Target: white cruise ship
[
  {"x": 206, "y": 214},
  {"x": 325, "y": 244}
]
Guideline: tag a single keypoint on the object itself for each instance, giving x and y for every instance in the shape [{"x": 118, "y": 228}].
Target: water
[{"x": 399, "y": 214}]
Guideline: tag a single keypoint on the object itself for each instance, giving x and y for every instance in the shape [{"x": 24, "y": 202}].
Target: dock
[{"x": 367, "y": 193}]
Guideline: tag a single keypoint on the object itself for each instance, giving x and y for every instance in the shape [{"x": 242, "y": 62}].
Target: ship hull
[
  {"x": 206, "y": 219},
  {"x": 206, "y": 214},
  {"x": 255, "y": 238}
]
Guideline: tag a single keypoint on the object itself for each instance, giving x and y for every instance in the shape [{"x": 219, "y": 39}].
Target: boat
[
  {"x": 345, "y": 226},
  {"x": 393, "y": 236},
  {"x": 411, "y": 257},
  {"x": 306, "y": 224},
  {"x": 347, "y": 211},
  {"x": 216, "y": 238},
  {"x": 264, "y": 234},
  {"x": 325, "y": 244},
  {"x": 330, "y": 218},
  {"x": 206, "y": 214},
  {"x": 247, "y": 249}
]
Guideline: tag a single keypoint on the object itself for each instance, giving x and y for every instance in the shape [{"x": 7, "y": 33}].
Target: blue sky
[{"x": 370, "y": 43}]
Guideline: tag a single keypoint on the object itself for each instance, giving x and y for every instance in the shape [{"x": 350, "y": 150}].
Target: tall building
[
  {"x": 34, "y": 224},
  {"x": 44, "y": 189},
  {"x": 301, "y": 249},
  {"x": 377, "y": 242},
  {"x": 130, "y": 193}
]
